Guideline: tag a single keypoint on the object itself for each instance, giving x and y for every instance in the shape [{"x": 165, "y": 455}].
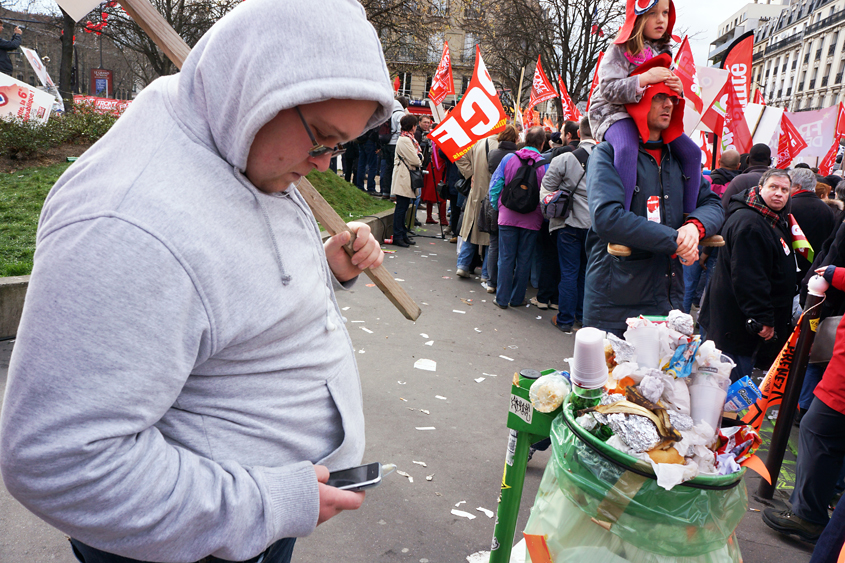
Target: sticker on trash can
[{"x": 521, "y": 408}]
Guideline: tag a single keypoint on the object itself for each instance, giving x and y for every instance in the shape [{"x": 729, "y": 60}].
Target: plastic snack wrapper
[
  {"x": 548, "y": 392},
  {"x": 741, "y": 395},
  {"x": 683, "y": 359},
  {"x": 738, "y": 442}
]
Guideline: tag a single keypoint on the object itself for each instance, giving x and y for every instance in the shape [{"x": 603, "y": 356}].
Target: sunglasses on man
[{"x": 318, "y": 150}]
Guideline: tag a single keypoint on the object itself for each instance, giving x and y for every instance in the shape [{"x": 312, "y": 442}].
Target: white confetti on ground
[
  {"x": 479, "y": 379},
  {"x": 398, "y": 279},
  {"x": 429, "y": 477},
  {"x": 357, "y": 321},
  {"x": 489, "y": 374},
  {"x": 420, "y": 463},
  {"x": 403, "y": 474},
  {"x": 345, "y": 309},
  {"x": 487, "y": 513},
  {"x": 365, "y": 329},
  {"x": 460, "y": 503},
  {"x": 402, "y": 382},
  {"x": 457, "y": 311},
  {"x": 477, "y": 329},
  {"x": 513, "y": 347},
  {"x": 463, "y": 514},
  {"x": 425, "y": 411},
  {"x": 426, "y": 365},
  {"x": 441, "y": 397},
  {"x": 506, "y": 358},
  {"x": 425, "y": 428},
  {"x": 430, "y": 343},
  {"x": 539, "y": 317},
  {"x": 479, "y": 557},
  {"x": 360, "y": 351},
  {"x": 424, "y": 335}
]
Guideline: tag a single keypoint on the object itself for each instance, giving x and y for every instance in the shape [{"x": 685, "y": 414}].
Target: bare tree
[{"x": 514, "y": 32}]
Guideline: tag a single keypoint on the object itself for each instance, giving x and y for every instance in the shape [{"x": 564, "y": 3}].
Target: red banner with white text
[
  {"x": 103, "y": 105},
  {"x": 541, "y": 89},
  {"x": 478, "y": 115},
  {"x": 570, "y": 112},
  {"x": 826, "y": 165},
  {"x": 685, "y": 70}
]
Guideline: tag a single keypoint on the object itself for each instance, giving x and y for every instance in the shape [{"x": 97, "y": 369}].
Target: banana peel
[{"x": 658, "y": 416}]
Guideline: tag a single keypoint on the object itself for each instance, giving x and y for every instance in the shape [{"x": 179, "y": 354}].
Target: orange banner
[{"x": 774, "y": 384}]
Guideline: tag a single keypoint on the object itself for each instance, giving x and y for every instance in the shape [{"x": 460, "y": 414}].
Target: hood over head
[
  {"x": 266, "y": 56},
  {"x": 636, "y": 8},
  {"x": 639, "y": 111}
]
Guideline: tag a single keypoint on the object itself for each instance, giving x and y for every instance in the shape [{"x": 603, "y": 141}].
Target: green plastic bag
[{"x": 596, "y": 498}]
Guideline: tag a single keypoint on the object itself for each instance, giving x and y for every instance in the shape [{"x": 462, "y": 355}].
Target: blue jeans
[
  {"x": 811, "y": 378},
  {"x": 492, "y": 260},
  {"x": 572, "y": 256},
  {"x": 388, "y": 153},
  {"x": 516, "y": 247},
  {"x": 279, "y": 552},
  {"x": 468, "y": 251},
  {"x": 744, "y": 366},
  {"x": 367, "y": 166},
  {"x": 692, "y": 279},
  {"x": 830, "y": 543}
]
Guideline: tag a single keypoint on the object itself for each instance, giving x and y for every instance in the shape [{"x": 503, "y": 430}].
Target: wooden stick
[
  {"x": 622, "y": 250},
  {"x": 177, "y": 51},
  {"x": 331, "y": 221}
]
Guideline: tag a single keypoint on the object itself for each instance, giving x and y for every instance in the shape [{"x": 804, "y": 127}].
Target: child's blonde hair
[{"x": 635, "y": 43}]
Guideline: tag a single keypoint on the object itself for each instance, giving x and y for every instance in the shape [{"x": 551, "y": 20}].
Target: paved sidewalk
[{"x": 466, "y": 335}]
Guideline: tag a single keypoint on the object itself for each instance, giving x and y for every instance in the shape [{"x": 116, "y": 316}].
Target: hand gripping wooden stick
[
  {"x": 622, "y": 250},
  {"x": 177, "y": 51}
]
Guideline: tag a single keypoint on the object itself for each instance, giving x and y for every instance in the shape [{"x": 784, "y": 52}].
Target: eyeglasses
[
  {"x": 318, "y": 150},
  {"x": 661, "y": 98}
]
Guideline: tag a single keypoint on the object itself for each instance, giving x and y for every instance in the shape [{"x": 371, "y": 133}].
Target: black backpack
[
  {"x": 385, "y": 130},
  {"x": 522, "y": 193}
]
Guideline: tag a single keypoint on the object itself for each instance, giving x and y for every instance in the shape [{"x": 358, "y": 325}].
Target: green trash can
[{"x": 594, "y": 498}]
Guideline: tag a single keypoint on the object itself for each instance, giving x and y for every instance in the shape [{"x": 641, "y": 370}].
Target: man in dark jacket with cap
[
  {"x": 759, "y": 160},
  {"x": 755, "y": 273},
  {"x": 8, "y": 46},
  {"x": 650, "y": 280}
]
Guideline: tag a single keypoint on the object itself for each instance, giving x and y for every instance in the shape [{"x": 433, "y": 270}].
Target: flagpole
[
  {"x": 756, "y": 125},
  {"x": 715, "y": 149},
  {"x": 519, "y": 92}
]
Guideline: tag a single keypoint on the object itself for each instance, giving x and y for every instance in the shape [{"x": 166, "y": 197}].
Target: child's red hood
[{"x": 636, "y": 8}]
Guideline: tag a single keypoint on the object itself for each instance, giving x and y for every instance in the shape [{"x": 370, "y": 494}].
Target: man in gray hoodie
[{"x": 182, "y": 382}]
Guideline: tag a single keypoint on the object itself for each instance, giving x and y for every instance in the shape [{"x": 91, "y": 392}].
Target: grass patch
[
  {"x": 349, "y": 202},
  {"x": 22, "y": 195}
]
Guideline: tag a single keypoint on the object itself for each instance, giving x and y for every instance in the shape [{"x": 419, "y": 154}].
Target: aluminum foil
[
  {"x": 608, "y": 399},
  {"x": 681, "y": 322},
  {"x": 681, "y": 422},
  {"x": 624, "y": 351},
  {"x": 637, "y": 431},
  {"x": 587, "y": 421}
]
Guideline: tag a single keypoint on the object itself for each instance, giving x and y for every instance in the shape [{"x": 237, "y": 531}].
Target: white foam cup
[
  {"x": 707, "y": 403},
  {"x": 646, "y": 339},
  {"x": 589, "y": 368}
]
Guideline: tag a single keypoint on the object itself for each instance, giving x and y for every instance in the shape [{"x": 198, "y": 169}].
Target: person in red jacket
[{"x": 821, "y": 444}]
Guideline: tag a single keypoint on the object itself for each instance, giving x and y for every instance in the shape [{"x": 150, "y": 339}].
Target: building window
[
  {"x": 405, "y": 84},
  {"x": 428, "y": 80},
  {"x": 464, "y": 84}
]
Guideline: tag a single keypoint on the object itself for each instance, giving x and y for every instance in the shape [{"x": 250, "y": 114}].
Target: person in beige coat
[
  {"x": 407, "y": 157},
  {"x": 474, "y": 164}
]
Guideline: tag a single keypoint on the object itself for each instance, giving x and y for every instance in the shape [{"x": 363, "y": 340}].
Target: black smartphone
[{"x": 356, "y": 478}]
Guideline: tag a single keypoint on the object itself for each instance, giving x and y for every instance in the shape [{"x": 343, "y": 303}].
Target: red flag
[
  {"x": 595, "y": 79},
  {"x": 396, "y": 84},
  {"x": 684, "y": 68},
  {"x": 738, "y": 61},
  {"x": 714, "y": 117},
  {"x": 547, "y": 123},
  {"x": 706, "y": 151},
  {"x": 478, "y": 115},
  {"x": 442, "y": 84},
  {"x": 529, "y": 118},
  {"x": 790, "y": 143},
  {"x": 570, "y": 112},
  {"x": 800, "y": 244},
  {"x": 826, "y": 165},
  {"x": 735, "y": 133},
  {"x": 541, "y": 88},
  {"x": 758, "y": 97}
]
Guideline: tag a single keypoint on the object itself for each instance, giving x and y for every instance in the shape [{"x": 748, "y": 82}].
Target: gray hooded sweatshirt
[{"x": 182, "y": 361}]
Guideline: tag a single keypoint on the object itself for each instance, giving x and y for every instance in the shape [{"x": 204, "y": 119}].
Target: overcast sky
[{"x": 704, "y": 17}]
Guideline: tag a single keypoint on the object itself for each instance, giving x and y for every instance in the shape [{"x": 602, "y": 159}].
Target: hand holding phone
[{"x": 333, "y": 501}]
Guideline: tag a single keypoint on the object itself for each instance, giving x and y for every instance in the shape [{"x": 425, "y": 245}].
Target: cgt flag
[
  {"x": 595, "y": 79},
  {"x": 478, "y": 115},
  {"x": 758, "y": 97},
  {"x": 800, "y": 244},
  {"x": 774, "y": 384},
  {"x": 790, "y": 143},
  {"x": 684, "y": 68},
  {"x": 570, "y": 112},
  {"x": 442, "y": 84},
  {"x": 541, "y": 89},
  {"x": 826, "y": 164},
  {"x": 735, "y": 133}
]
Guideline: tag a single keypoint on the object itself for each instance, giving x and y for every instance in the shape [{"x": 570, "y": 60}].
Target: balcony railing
[
  {"x": 757, "y": 56},
  {"x": 830, "y": 20},
  {"x": 781, "y": 44}
]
